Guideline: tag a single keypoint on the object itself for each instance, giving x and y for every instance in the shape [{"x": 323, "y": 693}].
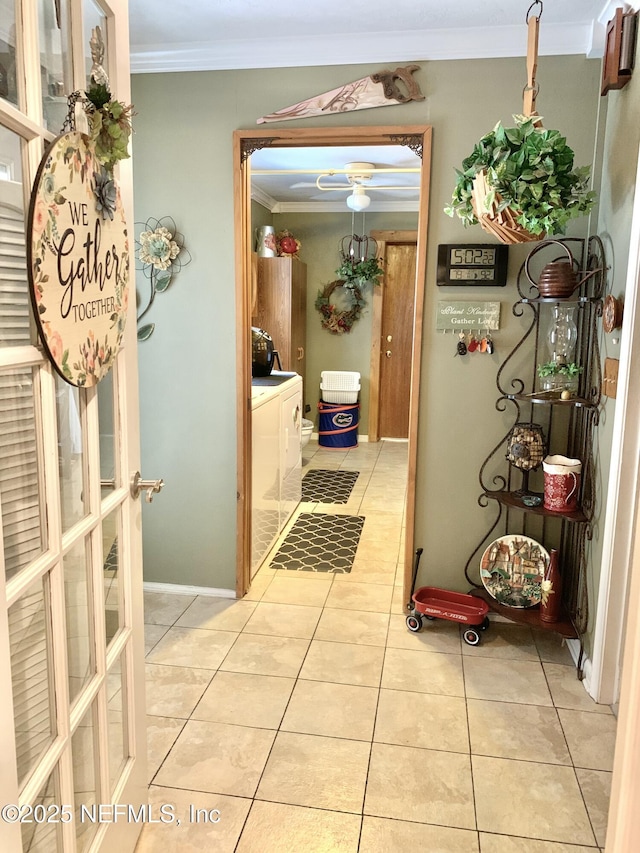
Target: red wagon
[{"x": 435, "y": 603}]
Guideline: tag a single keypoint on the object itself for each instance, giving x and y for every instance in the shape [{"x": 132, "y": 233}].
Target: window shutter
[
  {"x": 14, "y": 290},
  {"x": 19, "y": 493},
  {"x": 18, "y": 451}
]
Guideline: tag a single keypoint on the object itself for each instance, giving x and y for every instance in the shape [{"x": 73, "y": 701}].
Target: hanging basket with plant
[
  {"x": 360, "y": 265},
  {"x": 519, "y": 183},
  {"x": 360, "y": 273}
]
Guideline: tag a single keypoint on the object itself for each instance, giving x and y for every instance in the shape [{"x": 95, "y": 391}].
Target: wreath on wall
[{"x": 333, "y": 320}]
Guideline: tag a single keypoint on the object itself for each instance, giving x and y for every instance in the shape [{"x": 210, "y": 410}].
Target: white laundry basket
[{"x": 339, "y": 386}]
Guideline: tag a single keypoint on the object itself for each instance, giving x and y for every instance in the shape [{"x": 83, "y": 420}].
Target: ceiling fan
[
  {"x": 356, "y": 174},
  {"x": 358, "y": 177}
]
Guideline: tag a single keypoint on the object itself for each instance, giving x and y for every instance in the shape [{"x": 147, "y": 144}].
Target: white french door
[{"x": 72, "y": 732}]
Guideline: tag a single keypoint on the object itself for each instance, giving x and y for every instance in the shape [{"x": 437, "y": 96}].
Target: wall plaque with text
[
  {"x": 468, "y": 315},
  {"x": 78, "y": 253}
]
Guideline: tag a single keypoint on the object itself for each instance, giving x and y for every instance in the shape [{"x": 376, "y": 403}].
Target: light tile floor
[{"x": 307, "y": 718}]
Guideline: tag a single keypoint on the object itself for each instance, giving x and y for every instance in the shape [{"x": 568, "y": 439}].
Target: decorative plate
[
  {"x": 512, "y": 570},
  {"x": 611, "y": 313}
]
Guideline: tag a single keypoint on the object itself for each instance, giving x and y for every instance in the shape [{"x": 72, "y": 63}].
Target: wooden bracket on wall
[
  {"x": 619, "y": 51},
  {"x": 610, "y": 377}
]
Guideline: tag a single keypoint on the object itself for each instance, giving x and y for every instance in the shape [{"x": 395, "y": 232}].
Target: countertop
[{"x": 265, "y": 387}]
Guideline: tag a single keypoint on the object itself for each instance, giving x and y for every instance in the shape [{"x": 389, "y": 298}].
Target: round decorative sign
[{"x": 78, "y": 255}]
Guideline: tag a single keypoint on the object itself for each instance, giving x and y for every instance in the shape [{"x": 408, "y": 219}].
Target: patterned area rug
[
  {"x": 328, "y": 487},
  {"x": 320, "y": 543}
]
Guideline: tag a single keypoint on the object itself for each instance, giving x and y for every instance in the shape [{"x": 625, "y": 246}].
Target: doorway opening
[{"x": 246, "y": 142}]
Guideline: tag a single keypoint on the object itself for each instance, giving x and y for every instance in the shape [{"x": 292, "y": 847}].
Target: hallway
[{"x": 313, "y": 720}]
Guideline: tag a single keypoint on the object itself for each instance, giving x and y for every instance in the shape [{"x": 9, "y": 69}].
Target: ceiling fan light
[{"x": 358, "y": 200}]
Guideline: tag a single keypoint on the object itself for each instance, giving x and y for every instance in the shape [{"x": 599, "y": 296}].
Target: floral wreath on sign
[{"x": 335, "y": 321}]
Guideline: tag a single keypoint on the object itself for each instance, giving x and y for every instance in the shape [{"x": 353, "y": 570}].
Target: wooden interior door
[
  {"x": 396, "y": 339},
  {"x": 72, "y": 724}
]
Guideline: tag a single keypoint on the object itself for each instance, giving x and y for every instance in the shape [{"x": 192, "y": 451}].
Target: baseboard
[
  {"x": 362, "y": 438},
  {"x": 574, "y": 650},
  {"x": 186, "y": 589}
]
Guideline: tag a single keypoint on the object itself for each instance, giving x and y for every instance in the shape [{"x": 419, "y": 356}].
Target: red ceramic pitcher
[{"x": 561, "y": 483}]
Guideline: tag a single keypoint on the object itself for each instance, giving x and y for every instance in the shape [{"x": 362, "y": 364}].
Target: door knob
[
  {"x": 388, "y": 353},
  {"x": 139, "y": 485},
  {"x": 389, "y": 338}
]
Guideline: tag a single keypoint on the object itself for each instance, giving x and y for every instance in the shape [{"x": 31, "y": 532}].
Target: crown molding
[
  {"x": 368, "y": 48},
  {"x": 261, "y": 197}
]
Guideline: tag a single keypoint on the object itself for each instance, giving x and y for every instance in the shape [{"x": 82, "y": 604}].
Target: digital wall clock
[{"x": 472, "y": 264}]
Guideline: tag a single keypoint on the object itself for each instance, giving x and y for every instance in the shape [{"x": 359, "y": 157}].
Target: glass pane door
[{"x": 71, "y": 642}]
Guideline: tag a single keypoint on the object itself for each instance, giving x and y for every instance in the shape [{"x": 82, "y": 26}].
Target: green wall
[{"x": 182, "y": 167}]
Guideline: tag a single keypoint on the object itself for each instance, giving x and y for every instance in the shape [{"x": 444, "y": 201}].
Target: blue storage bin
[{"x": 338, "y": 425}]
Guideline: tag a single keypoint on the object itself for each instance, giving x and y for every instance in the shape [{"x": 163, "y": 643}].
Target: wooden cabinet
[
  {"x": 568, "y": 425},
  {"x": 281, "y": 308}
]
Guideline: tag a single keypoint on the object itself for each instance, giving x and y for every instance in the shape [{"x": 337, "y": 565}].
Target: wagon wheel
[
  {"x": 414, "y": 622},
  {"x": 430, "y": 618},
  {"x": 471, "y": 637},
  {"x": 486, "y": 622}
]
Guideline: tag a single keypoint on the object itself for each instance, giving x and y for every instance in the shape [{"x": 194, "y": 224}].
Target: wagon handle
[{"x": 415, "y": 575}]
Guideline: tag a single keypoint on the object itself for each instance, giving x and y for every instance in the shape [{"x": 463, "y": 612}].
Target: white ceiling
[{"x": 180, "y": 35}]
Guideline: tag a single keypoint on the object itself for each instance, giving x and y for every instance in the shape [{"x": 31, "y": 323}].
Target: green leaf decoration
[
  {"x": 359, "y": 273},
  {"x": 529, "y": 170},
  {"x": 99, "y": 95},
  {"x": 162, "y": 280},
  {"x": 145, "y": 332}
]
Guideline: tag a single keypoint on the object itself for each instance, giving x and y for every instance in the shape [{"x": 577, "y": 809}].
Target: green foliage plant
[
  {"x": 110, "y": 126},
  {"x": 358, "y": 273},
  {"x": 553, "y": 368},
  {"x": 529, "y": 170}
]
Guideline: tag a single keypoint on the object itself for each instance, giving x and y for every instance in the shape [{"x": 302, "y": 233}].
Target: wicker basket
[{"x": 501, "y": 224}]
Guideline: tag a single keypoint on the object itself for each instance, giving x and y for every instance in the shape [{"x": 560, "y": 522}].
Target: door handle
[
  {"x": 300, "y": 353},
  {"x": 388, "y": 353},
  {"x": 139, "y": 485}
]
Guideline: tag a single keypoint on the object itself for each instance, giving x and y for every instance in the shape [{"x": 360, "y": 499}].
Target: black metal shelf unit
[{"x": 569, "y": 427}]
